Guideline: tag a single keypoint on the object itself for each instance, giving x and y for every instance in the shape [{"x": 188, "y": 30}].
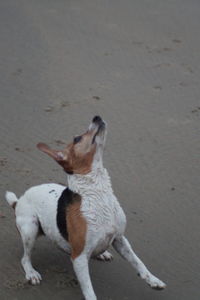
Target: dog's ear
[{"x": 59, "y": 156}]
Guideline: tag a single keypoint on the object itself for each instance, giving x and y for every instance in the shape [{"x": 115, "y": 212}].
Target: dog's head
[{"x": 86, "y": 149}]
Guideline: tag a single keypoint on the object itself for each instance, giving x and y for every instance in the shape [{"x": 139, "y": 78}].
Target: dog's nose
[{"x": 97, "y": 120}]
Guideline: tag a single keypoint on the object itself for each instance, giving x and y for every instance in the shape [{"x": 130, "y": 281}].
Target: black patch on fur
[
  {"x": 40, "y": 229},
  {"x": 67, "y": 198},
  {"x": 14, "y": 205},
  {"x": 69, "y": 172},
  {"x": 51, "y": 191}
]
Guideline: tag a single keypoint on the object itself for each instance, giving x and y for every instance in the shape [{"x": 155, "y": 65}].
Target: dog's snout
[{"x": 97, "y": 120}]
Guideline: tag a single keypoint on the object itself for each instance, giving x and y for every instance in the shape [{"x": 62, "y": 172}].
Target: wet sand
[{"x": 136, "y": 63}]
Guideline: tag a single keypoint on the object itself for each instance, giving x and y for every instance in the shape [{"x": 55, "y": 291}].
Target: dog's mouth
[{"x": 99, "y": 127}]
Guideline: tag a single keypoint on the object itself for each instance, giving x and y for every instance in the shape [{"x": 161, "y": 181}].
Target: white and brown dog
[{"x": 83, "y": 219}]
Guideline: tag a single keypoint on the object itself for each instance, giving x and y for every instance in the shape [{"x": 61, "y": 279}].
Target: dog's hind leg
[
  {"x": 28, "y": 228},
  {"x": 123, "y": 247}
]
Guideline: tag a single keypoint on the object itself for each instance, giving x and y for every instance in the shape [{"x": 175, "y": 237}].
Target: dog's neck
[{"x": 98, "y": 180}]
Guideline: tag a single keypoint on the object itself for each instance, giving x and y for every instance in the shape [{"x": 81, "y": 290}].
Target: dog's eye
[{"x": 77, "y": 139}]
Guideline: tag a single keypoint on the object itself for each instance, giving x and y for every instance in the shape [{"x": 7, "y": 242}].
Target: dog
[{"x": 84, "y": 218}]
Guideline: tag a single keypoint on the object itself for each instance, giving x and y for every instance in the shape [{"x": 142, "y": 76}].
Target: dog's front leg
[
  {"x": 81, "y": 269},
  {"x": 123, "y": 247}
]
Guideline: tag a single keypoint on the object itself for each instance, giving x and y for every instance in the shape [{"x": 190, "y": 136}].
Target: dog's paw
[
  {"x": 153, "y": 281},
  {"x": 105, "y": 256},
  {"x": 157, "y": 284},
  {"x": 33, "y": 277}
]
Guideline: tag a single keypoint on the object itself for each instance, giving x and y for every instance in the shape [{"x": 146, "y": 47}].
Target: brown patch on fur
[
  {"x": 76, "y": 158},
  {"x": 77, "y": 162},
  {"x": 76, "y": 227}
]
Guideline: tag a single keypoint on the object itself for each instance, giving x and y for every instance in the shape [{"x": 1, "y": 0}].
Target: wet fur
[{"x": 90, "y": 219}]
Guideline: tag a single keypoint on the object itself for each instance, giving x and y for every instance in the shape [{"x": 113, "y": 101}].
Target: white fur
[
  {"x": 39, "y": 205},
  {"x": 106, "y": 223},
  {"x": 105, "y": 219},
  {"x": 11, "y": 198},
  {"x": 81, "y": 269}
]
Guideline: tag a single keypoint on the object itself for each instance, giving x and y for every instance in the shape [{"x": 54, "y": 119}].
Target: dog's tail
[{"x": 11, "y": 199}]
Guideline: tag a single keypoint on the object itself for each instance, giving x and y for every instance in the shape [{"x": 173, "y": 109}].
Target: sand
[{"x": 135, "y": 63}]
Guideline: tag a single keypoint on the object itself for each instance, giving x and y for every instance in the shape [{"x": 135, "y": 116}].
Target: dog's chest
[
  {"x": 105, "y": 219},
  {"x": 99, "y": 206},
  {"x": 102, "y": 211}
]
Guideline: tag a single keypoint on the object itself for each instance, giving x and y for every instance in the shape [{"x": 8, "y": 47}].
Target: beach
[{"x": 136, "y": 64}]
